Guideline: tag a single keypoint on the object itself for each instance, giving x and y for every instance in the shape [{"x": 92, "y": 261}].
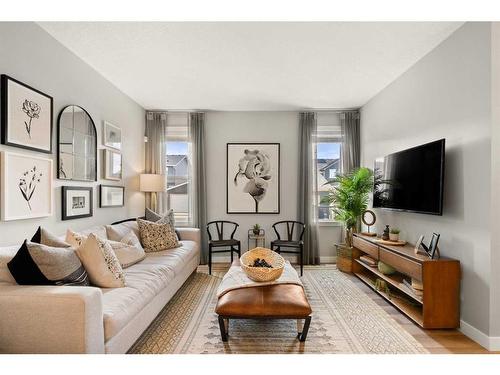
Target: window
[
  {"x": 328, "y": 159},
  {"x": 177, "y": 164}
]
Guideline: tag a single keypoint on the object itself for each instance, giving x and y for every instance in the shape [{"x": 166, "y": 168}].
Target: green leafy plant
[
  {"x": 395, "y": 231},
  {"x": 256, "y": 229},
  {"x": 349, "y": 198}
]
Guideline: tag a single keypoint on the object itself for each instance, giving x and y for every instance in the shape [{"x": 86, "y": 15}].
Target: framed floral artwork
[
  {"x": 26, "y": 188},
  {"x": 77, "y": 202},
  {"x": 253, "y": 178},
  {"x": 26, "y": 116}
]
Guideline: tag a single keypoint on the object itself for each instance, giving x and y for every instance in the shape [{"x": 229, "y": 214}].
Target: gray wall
[
  {"x": 32, "y": 56},
  {"x": 280, "y": 127},
  {"x": 445, "y": 95}
]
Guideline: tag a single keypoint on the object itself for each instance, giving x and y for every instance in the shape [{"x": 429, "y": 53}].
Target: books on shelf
[
  {"x": 407, "y": 285},
  {"x": 368, "y": 261}
]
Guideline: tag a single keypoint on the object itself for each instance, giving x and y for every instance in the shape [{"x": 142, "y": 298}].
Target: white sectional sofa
[{"x": 71, "y": 319}]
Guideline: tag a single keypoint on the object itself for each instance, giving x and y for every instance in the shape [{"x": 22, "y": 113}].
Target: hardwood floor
[{"x": 445, "y": 341}]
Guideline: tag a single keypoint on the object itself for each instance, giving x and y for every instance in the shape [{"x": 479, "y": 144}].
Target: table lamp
[{"x": 154, "y": 184}]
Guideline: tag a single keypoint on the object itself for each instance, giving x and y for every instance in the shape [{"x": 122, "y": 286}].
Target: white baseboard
[{"x": 491, "y": 343}]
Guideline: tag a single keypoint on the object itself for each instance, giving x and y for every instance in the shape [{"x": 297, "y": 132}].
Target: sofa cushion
[
  {"x": 37, "y": 264},
  {"x": 44, "y": 237},
  {"x": 6, "y": 255},
  {"x": 101, "y": 263},
  {"x": 120, "y": 305},
  {"x": 157, "y": 237},
  {"x": 128, "y": 250}
]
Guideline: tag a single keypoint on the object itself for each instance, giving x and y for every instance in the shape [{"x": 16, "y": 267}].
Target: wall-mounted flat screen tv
[{"x": 411, "y": 180}]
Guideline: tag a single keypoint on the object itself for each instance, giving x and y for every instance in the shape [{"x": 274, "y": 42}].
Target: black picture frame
[
  {"x": 228, "y": 177},
  {"x": 111, "y": 205},
  {"x": 4, "y": 81},
  {"x": 64, "y": 192},
  {"x": 433, "y": 245}
]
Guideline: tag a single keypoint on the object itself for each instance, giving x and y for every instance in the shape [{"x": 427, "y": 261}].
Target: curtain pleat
[
  {"x": 197, "y": 185},
  {"x": 307, "y": 199},
  {"x": 351, "y": 150},
  {"x": 156, "y": 124}
]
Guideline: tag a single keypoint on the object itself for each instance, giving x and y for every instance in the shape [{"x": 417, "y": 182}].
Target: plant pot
[
  {"x": 256, "y": 232},
  {"x": 394, "y": 237},
  {"x": 344, "y": 258}
]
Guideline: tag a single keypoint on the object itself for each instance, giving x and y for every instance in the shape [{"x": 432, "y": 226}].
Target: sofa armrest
[
  {"x": 190, "y": 234},
  {"x": 51, "y": 319}
]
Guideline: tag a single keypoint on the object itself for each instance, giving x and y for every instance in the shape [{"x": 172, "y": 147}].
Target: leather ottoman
[{"x": 280, "y": 301}]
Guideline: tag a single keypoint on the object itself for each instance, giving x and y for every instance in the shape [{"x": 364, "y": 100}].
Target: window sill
[{"x": 329, "y": 223}]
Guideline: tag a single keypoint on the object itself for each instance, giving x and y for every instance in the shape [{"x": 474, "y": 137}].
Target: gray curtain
[
  {"x": 308, "y": 199},
  {"x": 156, "y": 124},
  {"x": 198, "y": 183},
  {"x": 351, "y": 153}
]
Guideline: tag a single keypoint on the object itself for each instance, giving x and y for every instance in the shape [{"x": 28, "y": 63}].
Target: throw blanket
[{"x": 236, "y": 278}]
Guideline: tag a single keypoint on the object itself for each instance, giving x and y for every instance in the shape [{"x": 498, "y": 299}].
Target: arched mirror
[{"x": 77, "y": 145}]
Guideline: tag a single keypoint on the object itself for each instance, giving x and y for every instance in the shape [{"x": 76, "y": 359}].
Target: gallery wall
[
  {"x": 32, "y": 56},
  {"x": 271, "y": 127},
  {"x": 445, "y": 95}
]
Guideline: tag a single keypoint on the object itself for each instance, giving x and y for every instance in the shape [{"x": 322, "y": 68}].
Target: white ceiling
[{"x": 250, "y": 66}]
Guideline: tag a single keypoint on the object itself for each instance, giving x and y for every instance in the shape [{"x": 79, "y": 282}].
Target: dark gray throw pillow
[
  {"x": 38, "y": 264},
  {"x": 168, "y": 218}
]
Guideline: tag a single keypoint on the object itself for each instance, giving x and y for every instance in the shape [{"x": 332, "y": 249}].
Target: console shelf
[{"x": 439, "y": 307}]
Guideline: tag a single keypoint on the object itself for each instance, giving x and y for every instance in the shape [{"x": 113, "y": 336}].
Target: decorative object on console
[
  {"x": 253, "y": 178},
  {"x": 77, "y": 202},
  {"x": 26, "y": 116},
  {"x": 432, "y": 250},
  {"x": 368, "y": 218},
  {"x": 38, "y": 264},
  {"x": 385, "y": 234},
  {"x": 390, "y": 243},
  {"x": 112, "y": 136},
  {"x": 153, "y": 184},
  {"x": 385, "y": 268},
  {"x": 26, "y": 190},
  {"x": 368, "y": 260},
  {"x": 394, "y": 234},
  {"x": 111, "y": 196},
  {"x": 349, "y": 199},
  {"x": 77, "y": 145},
  {"x": 112, "y": 165}
]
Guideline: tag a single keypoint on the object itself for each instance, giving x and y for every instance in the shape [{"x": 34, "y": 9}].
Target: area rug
[{"x": 344, "y": 320}]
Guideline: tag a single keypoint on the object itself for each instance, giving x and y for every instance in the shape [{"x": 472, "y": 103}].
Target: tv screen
[{"x": 411, "y": 180}]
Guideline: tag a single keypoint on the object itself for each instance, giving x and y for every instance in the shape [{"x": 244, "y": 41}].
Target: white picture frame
[
  {"x": 113, "y": 165},
  {"x": 26, "y": 186},
  {"x": 111, "y": 196},
  {"x": 112, "y": 136}
]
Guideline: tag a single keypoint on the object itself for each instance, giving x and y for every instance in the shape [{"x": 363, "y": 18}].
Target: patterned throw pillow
[
  {"x": 157, "y": 237},
  {"x": 101, "y": 263},
  {"x": 75, "y": 239},
  {"x": 128, "y": 250},
  {"x": 38, "y": 264}
]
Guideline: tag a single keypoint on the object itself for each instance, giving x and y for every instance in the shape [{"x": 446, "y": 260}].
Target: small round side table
[{"x": 258, "y": 239}]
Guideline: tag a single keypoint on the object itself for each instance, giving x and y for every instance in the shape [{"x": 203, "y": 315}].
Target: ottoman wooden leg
[
  {"x": 302, "y": 335},
  {"x": 223, "y": 328}
]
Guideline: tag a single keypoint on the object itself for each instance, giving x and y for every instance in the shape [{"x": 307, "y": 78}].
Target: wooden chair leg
[{"x": 209, "y": 259}]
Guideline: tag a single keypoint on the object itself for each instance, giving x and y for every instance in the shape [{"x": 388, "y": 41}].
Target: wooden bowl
[{"x": 262, "y": 273}]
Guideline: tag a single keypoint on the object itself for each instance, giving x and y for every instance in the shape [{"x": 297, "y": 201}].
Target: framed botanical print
[
  {"x": 112, "y": 165},
  {"x": 112, "y": 136},
  {"x": 111, "y": 196},
  {"x": 253, "y": 178},
  {"x": 26, "y": 116},
  {"x": 77, "y": 202},
  {"x": 26, "y": 188}
]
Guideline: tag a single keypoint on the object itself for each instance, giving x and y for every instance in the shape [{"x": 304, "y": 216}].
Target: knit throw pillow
[
  {"x": 101, "y": 263},
  {"x": 157, "y": 237},
  {"x": 128, "y": 250}
]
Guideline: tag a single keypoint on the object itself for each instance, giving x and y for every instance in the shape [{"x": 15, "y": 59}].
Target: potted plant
[
  {"x": 349, "y": 198},
  {"x": 256, "y": 229},
  {"x": 394, "y": 234}
]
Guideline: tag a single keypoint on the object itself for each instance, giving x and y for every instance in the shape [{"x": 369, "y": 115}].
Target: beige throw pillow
[
  {"x": 128, "y": 250},
  {"x": 101, "y": 263},
  {"x": 75, "y": 239},
  {"x": 157, "y": 237}
]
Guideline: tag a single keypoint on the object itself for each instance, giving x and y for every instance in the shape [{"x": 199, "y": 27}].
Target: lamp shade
[{"x": 152, "y": 183}]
